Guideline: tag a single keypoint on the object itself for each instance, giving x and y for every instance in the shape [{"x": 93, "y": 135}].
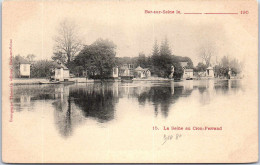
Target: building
[
  {"x": 62, "y": 73},
  {"x": 127, "y": 70},
  {"x": 22, "y": 67},
  {"x": 140, "y": 72},
  {"x": 187, "y": 73},
  {"x": 115, "y": 72},
  {"x": 210, "y": 72}
]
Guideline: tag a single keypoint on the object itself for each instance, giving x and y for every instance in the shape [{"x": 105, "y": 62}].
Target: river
[{"x": 120, "y": 117}]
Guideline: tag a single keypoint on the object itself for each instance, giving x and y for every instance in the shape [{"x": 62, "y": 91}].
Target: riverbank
[
  {"x": 32, "y": 81},
  {"x": 152, "y": 79},
  {"x": 28, "y": 81}
]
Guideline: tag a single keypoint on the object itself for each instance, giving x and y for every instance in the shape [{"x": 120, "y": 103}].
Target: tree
[
  {"x": 154, "y": 58},
  {"x": 142, "y": 61},
  {"x": 226, "y": 64},
  {"x": 165, "y": 49},
  {"x": 206, "y": 53},
  {"x": 236, "y": 66},
  {"x": 184, "y": 59},
  {"x": 76, "y": 69},
  {"x": 201, "y": 67},
  {"x": 155, "y": 49},
  {"x": 16, "y": 65},
  {"x": 67, "y": 41},
  {"x": 59, "y": 56},
  {"x": 162, "y": 59},
  {"x": 98, "y": 58},
  {"x": 178, "y": 70},
  {"x": 30, "y": 57},
  {"x": 222, "y": 69},
  {"x": 190, "y": 63},
  {"x": 124, "y": 60},
  {"x": 42, "y": 68},
  {"x": 165, "y": 62}
]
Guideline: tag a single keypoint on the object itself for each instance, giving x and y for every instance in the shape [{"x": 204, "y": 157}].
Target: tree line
[
  {"x": 222, "y": 67},
  {"x": 99, "y": 58}
]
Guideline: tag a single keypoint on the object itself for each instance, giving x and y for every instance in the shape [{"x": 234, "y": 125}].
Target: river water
[{"x": 113, "y": 117}]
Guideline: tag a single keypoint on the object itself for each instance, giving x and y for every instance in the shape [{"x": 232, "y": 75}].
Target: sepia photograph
[{"x": 121, "y": 81}]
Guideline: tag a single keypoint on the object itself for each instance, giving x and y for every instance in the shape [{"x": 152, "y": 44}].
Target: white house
[
  {"x": 187, "y": 73},
  {"x": 127, "y": 70},
  {"x": 140, "y": 72},
  {"x": 25, "y": 70},
  {"x": 210, "y": 72},
  {"x": 115, "y": 72},
  {"x": 62, "y": 73},
  {"x": 23, "y": 67}
]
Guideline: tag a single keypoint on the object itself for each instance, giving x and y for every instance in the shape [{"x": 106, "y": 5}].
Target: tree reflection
[
  {"x": 97, "y": 101},
  {"x": 227, "y": 86},
  {"x": 62, "y": 113},
  {"x": 163, "y": 97},
  {"x": 74, "y": 103},
  {"x": 26, "y": 95}
]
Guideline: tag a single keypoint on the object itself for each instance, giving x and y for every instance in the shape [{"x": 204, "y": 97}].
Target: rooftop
[{"x": 139, "y": 68}]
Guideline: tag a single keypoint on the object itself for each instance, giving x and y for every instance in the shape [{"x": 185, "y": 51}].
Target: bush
[{"x": 42, "y": 69}]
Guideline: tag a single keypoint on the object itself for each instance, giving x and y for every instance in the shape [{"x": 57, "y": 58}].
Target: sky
[{"x": 33, "y": 25}]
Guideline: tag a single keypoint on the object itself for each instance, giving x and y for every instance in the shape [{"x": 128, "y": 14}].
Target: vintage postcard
[{"x": 120, "y": 81}]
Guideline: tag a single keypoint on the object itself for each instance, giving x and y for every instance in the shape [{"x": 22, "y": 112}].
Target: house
[
  {"x": 210, "y": 72},
  {"x": 127, "y": 70},
  {"x": 187, "y": 73},
  {"x": 22, "y": 67},
  {"x": 115, "y": 72},
  {"x": 62, "y": 73},
  {"x": 140, "y": 72}
]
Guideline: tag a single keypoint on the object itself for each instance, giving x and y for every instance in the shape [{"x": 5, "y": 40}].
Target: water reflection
[
  {"x": 163, "y": 97},
  {"x": 25, "y": 95},
  {"x": 96, "y": 100},
  {"x": 63, "y": 113},
  {"x": 72, "y": 105}
]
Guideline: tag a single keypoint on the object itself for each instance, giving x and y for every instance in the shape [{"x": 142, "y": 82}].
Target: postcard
[{"x": 102, "y": 81}]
